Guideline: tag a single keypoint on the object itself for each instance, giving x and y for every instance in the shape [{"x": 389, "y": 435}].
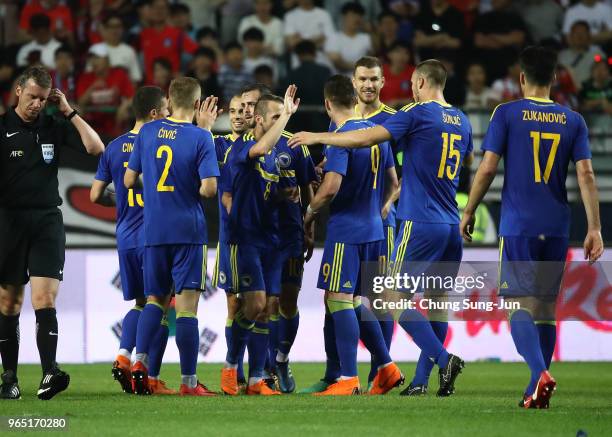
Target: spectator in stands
[
  {"x": 203, "y": 13},
  {"x": 581, "y": 53},
  {"x": 271, "y": 26},
  {"x": 207, "y": 37},
  {"x": 89, "y": 23},
  {"x": 344, "y": 48},
  {"x": 161, "y": 40},
  {"x": 265, "y": 75},
  {"x": 543, "y": 18},
  {"x": 398, "y": 73},
  {"x": 162, "y": 74},
  {"x": 104, "y": 93},
  {"x": 564, "y": 90},
  {"x": 43, "y": 43},
  {"x": 255, "y": 51},
  {"x": 180, "y": 17},
  {"x": 231, "y": 12},
  {"x": 7, "y": 79},
  {"x": 143, "y": 11},
  {"x": 309, "y": 75},
  {"x": 371, "y": 11},
  {"x": 599, "y": 16},
  {"x": 596, "y": 93},
  {"x": 454, "y": 89},
  {"x": 498, "y": 36},
  {"x": 386, "y": 34},
  {"x": 233, "y": 74},
  {"x": 478, "y": 96},
  {"x": 60, "y": 18},
  {"x": 307, "y": 22},
  {"x": 439, "y": 32},
  {"x": 120, "y": 54},
  {"x": 63, "y": 74},
  {"x": 407, "y": 11},
  {"x": 203, "y": 70},
  {"x": 508, "y": 88}
]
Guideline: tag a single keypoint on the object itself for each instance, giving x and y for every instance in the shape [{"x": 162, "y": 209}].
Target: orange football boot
[
  {"x": 343, "y": 387},
  {"x": 121, "y": 373},
  {"x": 198, "y": 390},
  {"x": 262, "y": 389},
  {"x": 543, "y": 392},
  {"x": 386, "y": 379},
  {"x": 158, "y": 387},
  {"x": 229, "y": 381}
]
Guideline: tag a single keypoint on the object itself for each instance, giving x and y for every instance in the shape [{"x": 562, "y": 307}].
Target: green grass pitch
[{"x": 484, "y": 405}]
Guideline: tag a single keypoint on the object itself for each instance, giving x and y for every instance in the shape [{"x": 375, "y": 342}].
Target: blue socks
[
  {"x": 228, "y": 341},
  {"x": 129, "y": 327},
  {"x": 417, "y": 325},
  {"x": 157, "y": 348},
  {"x": 287, "y": 331},
  {"x": 241, "y": 331},
  {"x": 258, "y": 349},
  {"x": 148, "y": 325},
  {"x": 187, "y": 341},
  {"x": 425, "y": 365},
  {"x": 527, "y": 341},
  {"x": 371, "y": 335},
  {"x": 273, "y": 325},
  {"x": 332, "y": 368},
  {"x": 347, "y": 335},
  {"x": 548, "y": 339},
  {"x": 387, "y": 324}
]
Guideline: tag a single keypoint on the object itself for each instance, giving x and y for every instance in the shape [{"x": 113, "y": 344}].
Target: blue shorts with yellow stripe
[
  {"x": 292, "y": 259},
  {"x": 531, "y": 266},
  {"x": 130, "y": 268},
  {"x": 255, "y": 269},
  {"x": 341, "y": 264},
  {"x": 175, "y": 267},
  {"x": 222, "y": 273},
  {"x": 421, "y": 247}
]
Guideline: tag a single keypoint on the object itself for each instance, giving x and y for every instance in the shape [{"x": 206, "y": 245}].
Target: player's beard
[{"x": 368, "y": 96}]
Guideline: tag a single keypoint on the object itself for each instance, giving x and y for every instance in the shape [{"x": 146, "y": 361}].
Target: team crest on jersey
[
  {"x": 284, "y": 160},
  {"x": 222, "y": 278},
  {"x": 48, "y": 152},
  {"x": 246, "y": 281}
]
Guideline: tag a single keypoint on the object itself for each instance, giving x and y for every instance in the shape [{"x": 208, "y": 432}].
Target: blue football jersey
[
  {"x": 378, "y": 117},
  {"x": 537, "y": 138},
  {"x": 434, "y": 139},
  {"x": 355, "y": 211},
  {"x": 296, "y": 170},
  {"x": 173, "y": 156},
  {"x": 223, "y": 146},
  {"x": 253, "y": 184},
  {"x": 111, "y": 168}
]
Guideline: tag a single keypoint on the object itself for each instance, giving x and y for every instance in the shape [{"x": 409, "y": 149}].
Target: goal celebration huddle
[{"x": 270, "y": 193}]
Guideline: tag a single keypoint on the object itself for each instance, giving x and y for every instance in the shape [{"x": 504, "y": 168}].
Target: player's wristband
[
  {"x": 309, "y": 210},
  {"x": 72, "y": 114}
]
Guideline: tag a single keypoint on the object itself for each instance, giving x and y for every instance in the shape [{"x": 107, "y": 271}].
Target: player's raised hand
[
  {"x": 302, "y": 139},
  {"x": 291, "y": 103},
  {"x": 466, "y": 228},
  {"x": 208, "y": 112},
  {"x": 593, "y": 246}
]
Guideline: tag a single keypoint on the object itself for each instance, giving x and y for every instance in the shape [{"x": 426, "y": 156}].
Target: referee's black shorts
[{"x": 32, "y": 243}]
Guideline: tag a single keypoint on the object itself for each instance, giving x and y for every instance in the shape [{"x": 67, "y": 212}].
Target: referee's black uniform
[{"x": 32, "y": 238}]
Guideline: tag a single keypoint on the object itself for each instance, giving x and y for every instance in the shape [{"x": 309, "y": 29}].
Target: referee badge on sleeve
[{"x": 48, "y": 151}]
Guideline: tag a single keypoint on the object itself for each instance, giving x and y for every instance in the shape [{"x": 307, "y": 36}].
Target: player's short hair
[
  {"x": 145, "y": 100},
  {"x": 263, "y": 89},
  {"x": 253, "y": 34},
  {"x": 538, "y": 64},
  {"x": 339, "y": 91},
  {"x": 261, "y": 108},
  {"x": 184, "y": 91},
  {"x": 368, "y": 62},
  {"x": 39, "y": 75},
  {"x": 434, "y": 71},
  {"x": 40, "y": 21},
  {"x": 354, "y": 7},
  {"x": 63, "y": 49}
]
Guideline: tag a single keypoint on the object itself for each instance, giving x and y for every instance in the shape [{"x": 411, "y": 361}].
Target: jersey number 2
[
  {"x": 535, "y": 137},
  {"x": 161, "y": 184},
  {"x": 446, "y": 153}
]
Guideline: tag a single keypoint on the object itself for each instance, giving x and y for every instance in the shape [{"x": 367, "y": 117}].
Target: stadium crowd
[{"x": 100, "y": 50}]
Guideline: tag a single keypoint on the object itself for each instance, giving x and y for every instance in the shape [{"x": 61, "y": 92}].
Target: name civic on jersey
[
  {"x": 544, "y": 117},
  {"x": 167, "y": 134},
  {"x": 127, "y": 147}
]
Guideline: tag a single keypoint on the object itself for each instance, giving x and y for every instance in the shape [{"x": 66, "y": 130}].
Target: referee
[{"x": 32, "y": 239}]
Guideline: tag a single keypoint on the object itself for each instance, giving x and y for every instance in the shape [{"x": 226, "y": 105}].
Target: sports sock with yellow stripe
[
  {"x": 148, "y": 324},
  {"x": 187, "y": 341},
  {"x": 258, "y": 351},
  {"x": 346, "y": 328},
  {"x": 158, "y": 347},
  {"x": 128, "y": 329},
  {"x": 419, "y": 328}
]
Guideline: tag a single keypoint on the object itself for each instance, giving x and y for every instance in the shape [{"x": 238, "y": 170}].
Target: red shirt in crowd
[
  {"x": 169, "y": 43},
  {"x": 397, "y": 86},
  {"x": 60, "y": 16},
  {"x": 105, "y": 98}
]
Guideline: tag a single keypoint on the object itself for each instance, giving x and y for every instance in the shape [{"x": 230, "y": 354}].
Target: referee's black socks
[
  {"x": 9, "y": 341},
  {"x": 46, "y": 337}
]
